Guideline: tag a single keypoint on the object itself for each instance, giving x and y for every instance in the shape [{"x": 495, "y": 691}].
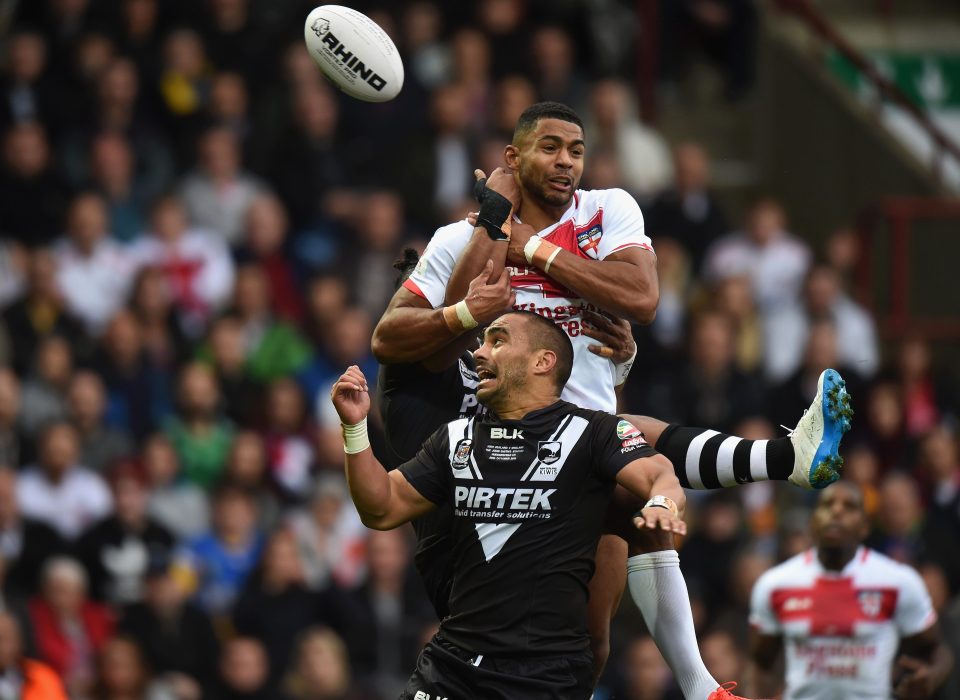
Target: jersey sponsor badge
[
  {"x": 627, "y": 431},
  {"x": 871, "y": 602},
  {"x": 630, "y": 437},
  {"x": 548, "y": 452},
  {"x": 589, "y": 241},
  {"x": 461, "y": 455}
]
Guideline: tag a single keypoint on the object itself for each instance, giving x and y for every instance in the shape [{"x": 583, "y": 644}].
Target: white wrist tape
[
  {"x": 663, "y": 502},
  {"x": 463, "y": 313},
  {"x": 531, "y": 247},
  {"x": 623, "y": 369},
  {"x": 355, "y": 437},
  {"x": 554, "y": 254}
]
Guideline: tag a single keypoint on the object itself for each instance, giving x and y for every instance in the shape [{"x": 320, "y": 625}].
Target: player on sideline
[
  {"x": 529, "y": 484},
  {"x": 844, "y": 611},
  {"x": 586, "y": 251}
]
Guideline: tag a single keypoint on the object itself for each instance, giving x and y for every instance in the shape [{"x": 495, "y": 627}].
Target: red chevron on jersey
[
  {"x": 582, "y": 240},
  {"x": 532, "y": 279}
]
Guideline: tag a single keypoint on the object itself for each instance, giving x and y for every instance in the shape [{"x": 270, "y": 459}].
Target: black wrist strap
[{"x": 494, "y": 210}]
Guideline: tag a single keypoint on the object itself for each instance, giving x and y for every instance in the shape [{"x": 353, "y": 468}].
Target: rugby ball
[{"x": 354, "y": 53}]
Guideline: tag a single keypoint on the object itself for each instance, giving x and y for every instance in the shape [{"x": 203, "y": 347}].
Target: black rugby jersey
[
  {"x": 414, "y": 402},
  {"x": 529, "y": 498}
]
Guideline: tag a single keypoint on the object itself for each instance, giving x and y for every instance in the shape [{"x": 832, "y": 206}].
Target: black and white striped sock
[{"x": 705, "y": 459}]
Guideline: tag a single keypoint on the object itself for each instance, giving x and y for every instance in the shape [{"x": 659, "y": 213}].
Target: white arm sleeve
[
  {"x": 914, "y": 612},
  {"x": 435, "y": 268},
  {"x": 762, "y": 616},
  {"x": 215, "y": 281}
]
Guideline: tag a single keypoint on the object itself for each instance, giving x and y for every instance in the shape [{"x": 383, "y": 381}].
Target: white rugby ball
[{"x": 354, "y": 53}]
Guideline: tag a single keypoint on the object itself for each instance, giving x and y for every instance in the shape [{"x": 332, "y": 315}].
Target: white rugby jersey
[
  {"x": 597, "y": 224},
  {"x": 841, "y": 630}
]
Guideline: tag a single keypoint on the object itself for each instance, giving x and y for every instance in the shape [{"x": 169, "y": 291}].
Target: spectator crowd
[{"x": 196, "y": 237}]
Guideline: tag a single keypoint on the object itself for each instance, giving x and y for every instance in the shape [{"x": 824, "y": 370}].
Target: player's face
[
  {"x": 550, "y": 162},
  {"x": 501, "y": 360},
  {"x": 839, "y": 520}
]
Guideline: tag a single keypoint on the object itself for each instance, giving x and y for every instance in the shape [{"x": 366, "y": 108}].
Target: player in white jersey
[
  {"x": 841, "y": 612},
  {"x": 601, "y": 225},
  {"x": 569, "y": 250}
]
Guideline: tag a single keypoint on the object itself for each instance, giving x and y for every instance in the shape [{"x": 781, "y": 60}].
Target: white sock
[{"x": 657, "y": 587}]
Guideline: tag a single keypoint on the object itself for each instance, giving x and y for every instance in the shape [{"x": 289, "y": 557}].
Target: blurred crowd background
[{"x": 196, "y": 237}]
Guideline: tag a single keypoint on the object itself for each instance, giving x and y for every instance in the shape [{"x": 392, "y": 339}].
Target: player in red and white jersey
[
  {"x": 598, "y": 225},
  {"x": 841, "y": 612}
]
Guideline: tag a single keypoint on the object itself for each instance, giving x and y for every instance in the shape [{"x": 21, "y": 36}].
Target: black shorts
[{"x": 446, "y": 671}]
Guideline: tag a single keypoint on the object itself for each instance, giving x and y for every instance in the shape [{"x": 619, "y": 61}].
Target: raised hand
[
  {"x": 488, "y": 298},
  {"x": 503, "y": 182},
  {"x": 916, "y": 682},
  {"x": 350, "y": 396}
]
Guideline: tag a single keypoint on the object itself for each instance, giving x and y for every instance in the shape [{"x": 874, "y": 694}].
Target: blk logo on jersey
[
  {"x": 506, "y": 434},
  {"x": 461, "y": 455},
  {"x": 548, "y": 452}
]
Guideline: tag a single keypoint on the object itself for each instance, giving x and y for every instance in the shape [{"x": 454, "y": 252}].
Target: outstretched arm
[
  {"x": 647, "y": 478},
  {"x": 383, "y": 500}
]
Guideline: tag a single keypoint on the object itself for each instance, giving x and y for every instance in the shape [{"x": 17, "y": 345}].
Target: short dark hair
[
  {"x": 406, "y": 265},
  {"x": 543, "y": 110},
  {"x": 850, "y": 486},
  {"x": 547, "y": 335}
]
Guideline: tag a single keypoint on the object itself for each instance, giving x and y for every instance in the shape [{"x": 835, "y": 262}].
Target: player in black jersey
[
  {"x": 529, "y": 484},
  {"x": 414, "y": 400}
]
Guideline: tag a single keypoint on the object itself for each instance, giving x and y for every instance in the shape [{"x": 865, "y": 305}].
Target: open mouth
[
  {"x": 561, "y": 184},
  {"x": 485, "y": 376}
]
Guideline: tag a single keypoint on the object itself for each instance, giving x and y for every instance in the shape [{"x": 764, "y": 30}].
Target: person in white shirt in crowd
[
  {"x": 855, "y": 624},
  {"x": 775, "y": 260},
  {"x": 218, "y": 192},
  {"x": 195, "y": 262},
  {"x": 94, "y": 272},
  {"x": 642, "y": 153},
  {"x": 57, "y": 490},
  {"x": 786, "y": 329}
]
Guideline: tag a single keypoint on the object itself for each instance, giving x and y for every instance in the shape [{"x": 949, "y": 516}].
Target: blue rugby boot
[{"x": 816, "y": 439}]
